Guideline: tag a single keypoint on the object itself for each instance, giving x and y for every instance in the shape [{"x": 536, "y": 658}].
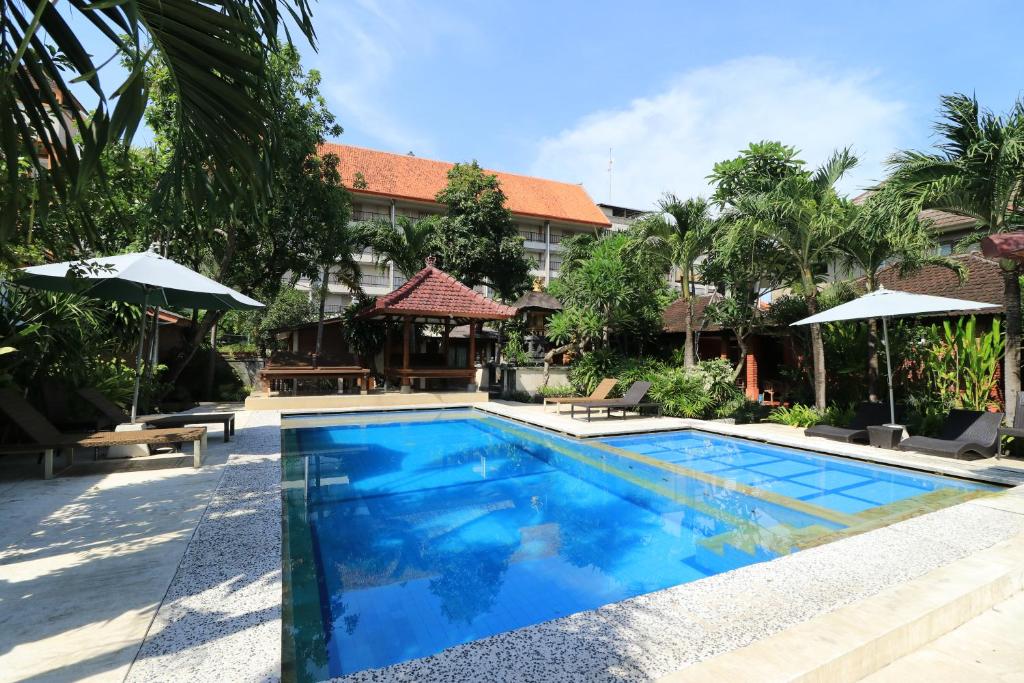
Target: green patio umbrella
[{"x": 143, "y": 278}]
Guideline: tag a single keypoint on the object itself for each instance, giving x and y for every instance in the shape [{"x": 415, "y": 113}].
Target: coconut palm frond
[{"x": 213, "y": 51}]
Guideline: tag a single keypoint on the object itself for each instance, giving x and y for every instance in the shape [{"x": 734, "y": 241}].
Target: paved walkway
[
  {"x": 86, "y": 560},
  {"x": 987, "y": 649}
]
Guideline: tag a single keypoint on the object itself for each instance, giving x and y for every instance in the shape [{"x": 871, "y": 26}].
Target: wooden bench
[
  {"x": 184, "y": 419},
  {"x": 405, "y": 376},
  {"x": 147, "y": 437},
  {"x": 295, "y": 373}
]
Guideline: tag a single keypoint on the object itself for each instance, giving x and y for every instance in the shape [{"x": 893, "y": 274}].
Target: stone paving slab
[
  {"x": 986, "y": 649},
  {"x": 221, "y": 617},
  {"x": 85, "y": 561}
]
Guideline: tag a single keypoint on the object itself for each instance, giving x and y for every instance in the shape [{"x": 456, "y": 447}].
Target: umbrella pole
[
  {"x": 888, "y": 371},
  {"x": 138, "y": 357}
]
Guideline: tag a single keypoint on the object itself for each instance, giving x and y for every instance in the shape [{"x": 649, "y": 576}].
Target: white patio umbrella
[
  {"x": 889, "y": 303},
  {"x": 143, "y": 278}
]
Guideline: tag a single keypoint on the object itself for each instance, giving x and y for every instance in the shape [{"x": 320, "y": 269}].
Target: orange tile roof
[
  {"x": 408, "y": 177},
  {"x": 433, "y": 293}
]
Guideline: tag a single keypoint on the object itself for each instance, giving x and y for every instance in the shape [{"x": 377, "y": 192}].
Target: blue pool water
[{"x": 416, "y": 531}]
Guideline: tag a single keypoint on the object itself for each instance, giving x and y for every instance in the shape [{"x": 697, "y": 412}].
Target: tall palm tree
[
  {"x": 405, "y": 245},
  {"x": 887, "y": 231},
  {"x": 681, "y": 235},
  {"x": 977, "y": 172},
  {"x": 343, "y": 269},
  {"x": 806, "y": 220},
  {"x": 215, "y": 53}
]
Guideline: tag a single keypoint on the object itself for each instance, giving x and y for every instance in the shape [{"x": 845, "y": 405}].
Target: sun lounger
[
  {"x": 868, "y": 414},
  {"x": 600, "y": 393},
  {"x": 48, "y": 440},
  {"x": 965, "y": 431},
  {"x": 630, "y": 401},
  {"x": 115, "y": 416}
]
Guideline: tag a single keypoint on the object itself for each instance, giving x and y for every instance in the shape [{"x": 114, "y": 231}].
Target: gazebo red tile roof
[{"x": 433, "y": 295}]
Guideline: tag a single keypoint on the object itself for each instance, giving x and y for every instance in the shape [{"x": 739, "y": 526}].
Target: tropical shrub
[
  {"x": 587, "y": 370},
  {"x": 514, "y": 350},
  {"x": 750, "y": 411},
  {"x": 797, "y": 415},
  {"x": 557, "y": 391},
  {"x": 962, "y": 366}
]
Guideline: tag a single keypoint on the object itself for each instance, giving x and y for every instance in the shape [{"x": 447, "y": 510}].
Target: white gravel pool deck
[{"x": 219, "y": 619}]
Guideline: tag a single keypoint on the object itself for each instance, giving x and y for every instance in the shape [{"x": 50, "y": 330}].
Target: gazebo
[{"x": 433, "y": 297}]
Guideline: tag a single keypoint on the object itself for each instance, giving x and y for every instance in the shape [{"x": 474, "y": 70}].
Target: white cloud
[
  {"x": 361, "y": 46},
  {"x": 669, "y": 141}
]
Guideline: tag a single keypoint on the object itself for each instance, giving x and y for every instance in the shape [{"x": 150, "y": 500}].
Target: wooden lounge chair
[
  {"x": 115, "y": 416},
  {"x": 964, "y": 431},
  {"x": 630, "y": 401},
  {"x": 49, "y": 440},
  {"x": 868, "y": 414},
  {"x": 600, "y": 393}
]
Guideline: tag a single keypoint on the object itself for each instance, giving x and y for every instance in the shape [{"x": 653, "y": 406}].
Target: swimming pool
[{"x": 408, "y": 532}]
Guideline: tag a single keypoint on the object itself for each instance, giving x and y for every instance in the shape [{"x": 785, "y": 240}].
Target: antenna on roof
[{"x": 610, "y": 161}]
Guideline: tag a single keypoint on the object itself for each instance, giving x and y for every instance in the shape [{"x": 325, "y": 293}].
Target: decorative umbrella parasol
[
  {"x": 143, "y": 278},
  {"x": 889, "y": 303}
]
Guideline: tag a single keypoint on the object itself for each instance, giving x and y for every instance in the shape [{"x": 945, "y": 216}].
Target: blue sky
[{"x": 548, "y": 87}]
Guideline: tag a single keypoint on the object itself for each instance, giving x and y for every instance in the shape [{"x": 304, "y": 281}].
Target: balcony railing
[
  {"x": 362, "y": 216},
  {"x": 375, "y": 280}
]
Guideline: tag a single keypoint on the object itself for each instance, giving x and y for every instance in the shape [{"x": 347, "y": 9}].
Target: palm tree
[
  {"x": 406, "y": 244},
  {"x": 215, "y": 53},
  {"x": 887, "y": 231},
  {"x": 806, "y": 220},
  {"x": 977, "y": 172},
  {"x": 681, "y": 241},
  {"x": 343, "y": 269}
]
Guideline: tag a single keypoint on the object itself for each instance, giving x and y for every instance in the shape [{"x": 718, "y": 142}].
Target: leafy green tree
[
  {"x": 476, "y": 240},
  {"x": 976, "y": 171},
  {"x": 679, "y": 236},
  {"x": 215, "y": 53},
  {"x": 887, "y": 231},
  {"x": 610, "y": 293},
  {"x": 289, "y": 307},
  {"x": 744, "y": 268},
  {"x": 300, "y": 229},
  {"x": 806, "y": 221},
  {"x": 757, "y": 169},
  {"x": 405, "y": 245}
]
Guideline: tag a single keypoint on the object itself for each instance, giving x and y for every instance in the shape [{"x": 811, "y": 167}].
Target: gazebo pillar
[
  {"x": 471, "y": 359},
  {"x": 406, "y": 333}
]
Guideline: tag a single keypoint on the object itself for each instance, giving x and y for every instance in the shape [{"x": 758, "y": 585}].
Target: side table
[{"x": 885, "y": 436}]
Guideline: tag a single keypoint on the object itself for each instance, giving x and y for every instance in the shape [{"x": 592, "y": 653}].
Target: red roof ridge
[
  {"x": 459, "y": 301},
  {"x": 420, "y": 178},
  {"x": 451, "y": 163}
]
